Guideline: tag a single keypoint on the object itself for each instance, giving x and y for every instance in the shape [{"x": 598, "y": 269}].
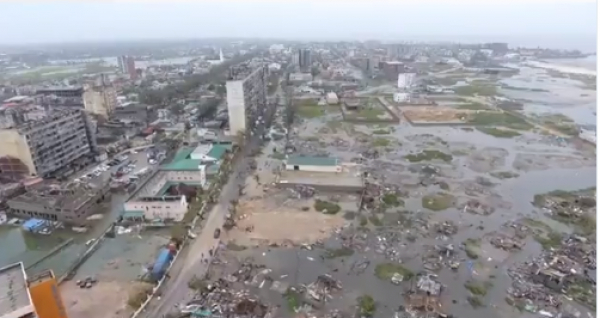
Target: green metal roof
[
  {"x": 217, "y": 151},
  {"x": 312, "y": 161},
  {"x": 182, "y": 161},
  {"x": 132, "y": 214}
]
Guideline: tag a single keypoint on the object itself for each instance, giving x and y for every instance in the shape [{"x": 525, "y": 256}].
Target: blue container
[{"x": 161, "y": 264}]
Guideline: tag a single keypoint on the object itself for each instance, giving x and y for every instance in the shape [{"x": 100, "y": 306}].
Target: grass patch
[
  {"x": 475, "y": 301},
  {"x": 391, "y": 199},
  {"x": 473, "y": 106},
  {"x": 370, "y": 113},
  {"x": 549, "y": 240},
  {"x": 338, "y": 252},
  {"x": 428, "y": 155},
  {"x": 499, "y": 133},
  {"x": 438, "y": 202},
  {"x": 477, "y": 89},
  {"x": 381, "y": 132},
  {"x": 504, "y": 175},
  {"x": 478, "y": 288},
  {"x": 310, "y": 111},
  {"x": 366, "y": 306},
  {"x": 499, "y": 119},
  {"x": 386, "y": 271},
  {"x": 363, "y": 221},
  {"x": 235, "y": 247},
  {"x": 381, "y": 142},
  {"x": 293, "y": 299},
  {"x": 375, "y": 220},
  {"x": 472, "y": 248},
  {"x": 327, "y": 207}
]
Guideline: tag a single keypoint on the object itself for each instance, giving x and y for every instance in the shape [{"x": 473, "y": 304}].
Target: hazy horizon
[{"x": 553, "y": 24}]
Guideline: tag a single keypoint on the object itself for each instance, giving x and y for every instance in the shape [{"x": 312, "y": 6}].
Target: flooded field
[{"x": 494, "y": 220}]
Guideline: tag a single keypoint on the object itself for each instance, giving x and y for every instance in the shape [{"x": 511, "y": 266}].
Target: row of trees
[{"x": 192, "y": 82}]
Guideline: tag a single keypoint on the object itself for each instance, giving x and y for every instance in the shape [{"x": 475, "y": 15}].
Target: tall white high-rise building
[{"x": 246, "y": 95}]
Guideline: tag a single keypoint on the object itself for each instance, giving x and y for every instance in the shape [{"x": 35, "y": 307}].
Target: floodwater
[
  {"x": 112, "y": 61},
  {"x": 564, "y": 96},
  {"x": 543, "y": 164},
  {"x": 18, "y": 245}
]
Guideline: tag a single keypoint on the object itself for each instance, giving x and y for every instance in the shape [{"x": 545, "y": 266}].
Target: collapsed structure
[{"x": 71, "y": 203}]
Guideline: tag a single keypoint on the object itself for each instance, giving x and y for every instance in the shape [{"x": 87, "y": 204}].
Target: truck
[{"x": 161, "y": 264}]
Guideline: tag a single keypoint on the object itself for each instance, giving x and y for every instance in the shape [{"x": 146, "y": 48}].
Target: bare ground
[{"x": 107, "y": 299}]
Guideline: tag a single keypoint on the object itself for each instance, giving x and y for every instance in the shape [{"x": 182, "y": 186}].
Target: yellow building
[
  {"x": 100, "y": 100},
  {"x": 45, "y": 295}
]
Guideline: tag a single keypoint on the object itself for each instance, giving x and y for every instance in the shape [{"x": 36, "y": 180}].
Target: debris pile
[
  {"x": 321, "y": 289},
  {"x": 219, "y": 299},
  {"x": 87, "y": 282},
  {"x": 506, "y": 243}
]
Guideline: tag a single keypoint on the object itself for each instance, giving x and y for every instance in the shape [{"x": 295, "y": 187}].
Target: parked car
[{"x": 217, "y": 233}]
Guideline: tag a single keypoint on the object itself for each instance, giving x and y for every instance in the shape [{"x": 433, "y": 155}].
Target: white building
[
  {"x": 246, "y": 95},
  {"x": 401, "y": 97},
  {"x": 313, "y": 164},
  {"x": 332, "y": 98},
  {"x": 162, "y": 207}
]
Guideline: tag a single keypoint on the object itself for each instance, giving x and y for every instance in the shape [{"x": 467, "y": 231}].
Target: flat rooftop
[
  {"x": 65, "y": 198},
  {"x": 14, "y": 294},
  {"x": 321, "y": 179},
  {"x": 241, "y": 72}
]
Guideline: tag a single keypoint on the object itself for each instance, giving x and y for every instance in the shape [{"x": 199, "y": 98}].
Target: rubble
[{"x": 322, "y": 288}]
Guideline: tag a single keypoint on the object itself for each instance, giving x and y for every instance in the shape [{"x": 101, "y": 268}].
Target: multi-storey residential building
[
  {"x": 49, "y": 145},
  {"x": 100, "y": 100},
  {"x": 246, "y": 95},
  {"x": 304, "y": 58}
]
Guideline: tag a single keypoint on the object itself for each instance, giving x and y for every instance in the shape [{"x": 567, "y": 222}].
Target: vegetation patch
[
  {"x": 504, "y": 174},
  {"x": 381, "y": 132},
  {"x": 549, "y": 240},
  {"x": 473, "y": 106},
  {"x": 366, "y": 306},
  {"x": 428, "y": 155},
  {"x": 478, "y": 288},
  {"x": 391, "y": 199},
  {"x": 472, "y": 248},
  {"x": 381, "y": 142},
  {"x": 327, "y": 207},
  {"x": 475, "y": 302},
  {"x": 375, "y": 220},
  {"x": 338, "y": 252},
  {"x": 438, "y": 202},
  {"x": 499, "y": 119},
  {"x": 293, "y": 299},
  {"x": 363, "y": 221},
  {"x": 386, "y": 271},
  {"x": 476, "y": 89},
  {"x": 232, "y": 246},
  {"x": 499, "y": 133},
  {"x": 310, "y": 111},
  {"x": 560, "y": 123}
]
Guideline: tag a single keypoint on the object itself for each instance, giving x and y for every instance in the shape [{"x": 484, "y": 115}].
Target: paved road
[{"x": 176, "y": 291}]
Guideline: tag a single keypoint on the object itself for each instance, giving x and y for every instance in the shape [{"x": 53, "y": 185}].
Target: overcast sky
[{"x": 564, "y": 23}]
